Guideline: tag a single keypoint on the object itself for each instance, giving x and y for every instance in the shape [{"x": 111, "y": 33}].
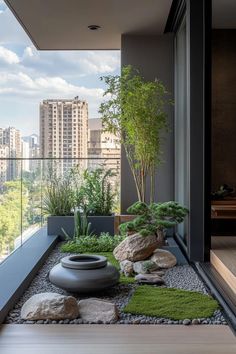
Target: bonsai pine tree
[{"x": 154, "y": 218}]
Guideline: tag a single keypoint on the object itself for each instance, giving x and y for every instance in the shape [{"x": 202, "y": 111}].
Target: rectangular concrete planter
[{"x": 99, "y": 224}]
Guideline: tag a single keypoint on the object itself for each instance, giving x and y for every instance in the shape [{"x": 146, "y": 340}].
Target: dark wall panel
[
  {"x": 223, "y": 108},
  {"x": 153, "y": 56}
]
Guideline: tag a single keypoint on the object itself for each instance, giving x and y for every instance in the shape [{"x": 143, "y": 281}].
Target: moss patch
[
  {"x": 170, "y": 303},
  {"x": 114, "y": 262}
]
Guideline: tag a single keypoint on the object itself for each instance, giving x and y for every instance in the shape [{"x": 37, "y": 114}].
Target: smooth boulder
[
  {"x": 96, "y": 310},
  {"x": 50, "y": 306},
  {"x": 163, "y": 259},
  {"x": 136, "y": 248}
]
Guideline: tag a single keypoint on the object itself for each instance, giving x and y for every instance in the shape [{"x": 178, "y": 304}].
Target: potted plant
[
  {"x": 59, "y": 203},
  {"x": 98, "y": 196},
  {"x": 90, "y": 193},
  {"x": 134, "y": 110},
  {"x": 154, "y": 219}
]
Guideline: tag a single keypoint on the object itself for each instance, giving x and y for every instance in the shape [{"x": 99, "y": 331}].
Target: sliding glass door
[{"x": 181, "y": 125}]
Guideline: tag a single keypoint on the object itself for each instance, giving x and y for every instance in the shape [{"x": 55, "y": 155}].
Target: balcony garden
[{"x": 103, "y": 270}]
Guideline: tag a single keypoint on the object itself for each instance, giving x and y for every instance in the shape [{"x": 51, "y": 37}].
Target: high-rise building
[
  {"x": 4, "y": 153},
  {"x": 11, "y": 138},
  {"x": 64, "y": 128},
  {"x": 103, "y": 145}
]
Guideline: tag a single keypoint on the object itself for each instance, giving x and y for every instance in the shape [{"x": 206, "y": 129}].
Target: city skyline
[{"x": 28, "y": 76}]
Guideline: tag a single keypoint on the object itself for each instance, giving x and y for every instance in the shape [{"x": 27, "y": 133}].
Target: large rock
[
  {"x": 51, "y": 306},
  {"x": 153, "y": 279},
  {"x": 163, "y": 259},
  {"x": 96, "y": 310},
  {"x": 144, "y": 267},
  {"x": 126, "y": 267},
  {"x": 136, "y": 248}
]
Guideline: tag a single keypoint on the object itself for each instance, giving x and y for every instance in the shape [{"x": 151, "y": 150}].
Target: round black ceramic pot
[{"x": 84, "y": 273}]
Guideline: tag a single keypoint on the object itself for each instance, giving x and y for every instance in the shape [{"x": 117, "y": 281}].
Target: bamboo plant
[{"x": 134, "y": 110}]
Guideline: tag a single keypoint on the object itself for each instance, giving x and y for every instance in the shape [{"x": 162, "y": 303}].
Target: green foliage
[
  {"x": 154, "y": 217},
  {"x": 82, "y": 227},
  {"x": 58, "y": 197},
  {"x": 102, "y": 243},
  {"x": 96, "y": 191},
  {"x": 170, "y": 303},
  {"x": 91, "y": 192},
  {"x": 14, "y": 203},
  {"x": 134, "y": 110}
]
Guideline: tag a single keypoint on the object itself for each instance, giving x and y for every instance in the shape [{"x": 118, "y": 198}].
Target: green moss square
[{"x": 170, "y": 303}]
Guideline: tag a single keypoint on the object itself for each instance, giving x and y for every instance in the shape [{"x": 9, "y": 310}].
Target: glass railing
[{"x": 24, "y": 185}]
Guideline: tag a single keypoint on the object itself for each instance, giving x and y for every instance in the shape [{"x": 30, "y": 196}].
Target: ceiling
[
  {"x": 63, "y": 24},
  {"x": 224, "y": 13}
]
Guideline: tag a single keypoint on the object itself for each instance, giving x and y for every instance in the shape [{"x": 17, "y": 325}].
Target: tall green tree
[{"x": 134, "y": 110}]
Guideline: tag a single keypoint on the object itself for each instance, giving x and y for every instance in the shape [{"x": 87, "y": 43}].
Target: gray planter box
[{"x": 98, "y": 224}]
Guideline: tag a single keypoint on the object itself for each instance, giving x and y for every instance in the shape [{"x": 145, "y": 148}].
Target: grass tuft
[
  {"x": 170, "y": 303},
  {"x": 84, "y": 244}
]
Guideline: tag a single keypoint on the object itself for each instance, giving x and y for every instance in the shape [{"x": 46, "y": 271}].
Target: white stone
[
  {"x": 51, "y": 306},
  {"x": 126, "y": 267},
  {"x": 96, "y": 310},
  {"x": 163, "y": 259}
]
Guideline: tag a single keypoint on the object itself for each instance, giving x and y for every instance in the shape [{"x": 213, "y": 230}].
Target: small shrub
[
  {"x": 82, "y": 227},
  {"x": 58, "y": 197},
  {"x": 102, "y": 243},
  {"x": 97, "y": 191}
]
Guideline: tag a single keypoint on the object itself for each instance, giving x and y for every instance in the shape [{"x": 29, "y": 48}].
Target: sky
[{"x": 27, "y": 76}]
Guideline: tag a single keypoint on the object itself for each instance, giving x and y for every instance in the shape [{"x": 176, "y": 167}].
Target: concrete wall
[
  {"x": 154, "y": 57},
  {"x": 223, "y": 108}
]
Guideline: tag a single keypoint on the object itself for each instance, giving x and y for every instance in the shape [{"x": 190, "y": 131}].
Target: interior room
[{"x": 223, "y": 197}]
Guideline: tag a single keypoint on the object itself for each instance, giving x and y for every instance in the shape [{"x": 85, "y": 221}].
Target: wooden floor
[
  {"x": 116, "y": 339},
  {"x": 223, "y": 258}
]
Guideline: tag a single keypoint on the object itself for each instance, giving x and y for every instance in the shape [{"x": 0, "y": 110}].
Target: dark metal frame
[{"x": 198, "y": 17}]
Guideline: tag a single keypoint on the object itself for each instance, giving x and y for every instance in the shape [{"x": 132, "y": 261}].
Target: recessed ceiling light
[{"x": 93, "y": 27}]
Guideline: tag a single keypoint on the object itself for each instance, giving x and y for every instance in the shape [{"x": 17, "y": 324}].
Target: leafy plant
[
  {"x": 154, "y": 218},
  {"x": 58, "y": 199},
  {"x": 103, "y": 243},
  {"x": 134, "y": 110},
  {"x": 82, "y": 227},
  {"x": 97, "y": 192}
]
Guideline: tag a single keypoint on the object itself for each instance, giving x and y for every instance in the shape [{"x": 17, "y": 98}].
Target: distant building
[
  {"x": 4, "y": 153},
  {"x": 25, "y": 153},
  {"x": 34, "y": 151},
  {"x": 102, "y": 145},
  {"x": 64, "y": 129},
  {"x": 11, "y": 138}
]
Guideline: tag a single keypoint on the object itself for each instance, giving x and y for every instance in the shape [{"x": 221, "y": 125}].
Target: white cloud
[
  {"x": 8, "y": 56},
  {"x": 28, "y": 52},
  {"x": 70, "y": 63},
  {"x": 21, "y": 87},
  {"x": 100, "y": 62}
]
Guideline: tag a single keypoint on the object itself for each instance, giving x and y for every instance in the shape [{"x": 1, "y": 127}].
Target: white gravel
[{"x": 182, "y": 277}]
